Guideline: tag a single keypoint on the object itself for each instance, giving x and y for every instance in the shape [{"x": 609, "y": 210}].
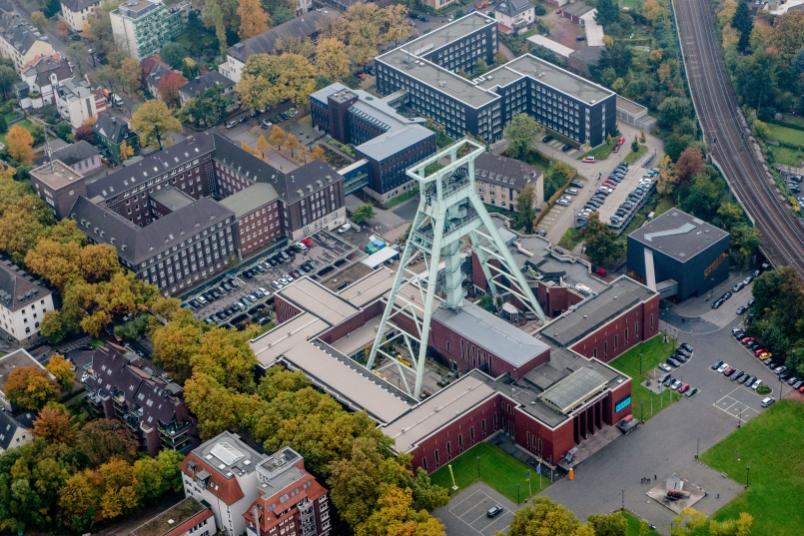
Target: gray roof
[
  {"x": 492, "y": 333},
  {"x": 228, "y": 455},
  {"x": 17, "y": 288},
  {"x": 617, "y": 298},
  {"x": 8, "y": 427},
  {"x": 19, "y": 33},
  {"x": 76, "y": 152},
  {"x": 136, "y": 244},
  {"x": 79, "y": 5},
  {"x": 391, "y": 142},
  {"x": 508, "y": 172},
  {"x": 577, "y": 9},
  {"x": 51, "y": 65},
  {"x": 446, "y": 34},
  {"x": 199, "y": 85},
  {"x": 306, "y": 25},
  {"x": 110, "y": 127},
  {"x": 279, "y": 471},
  {"x": 250, "y": 198},
  {"x": 172, "y": 198},
  {"x": 678, "y": 235},
  {"x": 512, "y": 8},
  {"x": 566, "y": 393}
]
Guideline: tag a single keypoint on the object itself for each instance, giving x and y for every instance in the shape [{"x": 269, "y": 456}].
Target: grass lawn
[
  {"x": 772, "y": 447},
  {"x": 631, "y": 4},
  {"x": 401, "y": 198},
  {"x": 600, "y": 153},
  {"x": 572, "y": 237},
  {"x": 495, "y": 467},
  {"x": 653, "y": 352},
  {"x": 787, "y": 156},
  {"x": 786, "y": 134},
  {"x": 633, "y": 525},
  {"x": 793, "y": 120},
  {"x": 632, "y": 156}
]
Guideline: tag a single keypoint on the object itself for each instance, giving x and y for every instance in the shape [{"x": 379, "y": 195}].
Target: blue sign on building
[{"x": 622, "y": 404}]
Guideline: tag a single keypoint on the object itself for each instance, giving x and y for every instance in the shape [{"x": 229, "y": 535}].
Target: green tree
[
  {"x": 208, "y": 108},
  {"x": 217, "y": 408},
  {"x": 525, "y": 215},
  {"x": 363, "y": 213},
  {"x": 426, "y": 494},
  {"x": 743, "y": 23},
  {"x": 602, "y": 246},
  {"x": 614, "y": 524},
  {"x": 8, "y": 77},
  {"x": 608, "y": 12},
  {"x": 153, "y": 122},
  {"x": 756, "y": 80},
  {"x": 173, "y": 54},
  {"x": 520, "y": 132},
  {"x": 672, "y": 111},
  {"x": 101, "y": 440},
  {"x": 543, "y": 517}
]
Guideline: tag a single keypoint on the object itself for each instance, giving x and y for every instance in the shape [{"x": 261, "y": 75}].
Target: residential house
[
  {"x": 81, "y": 156},
  {"x": 154, "y": 70},
  {"x": 308, "y": 26},
  {"x": 574, "y": 11},
  {"x": 19, "y": 40},
  {"x": 44, "y": 76},
  {"x": 111, "y": 132},
  {"x": 199, "y": 86},
  {"x": 514, "y": 16},
  {"x": 23, "y": 304},
  {"x": 15, "y": 431},
  {"x": 125, "y": 386},
  {"x": 141, "y": 27},
  {"x": 76, "y": 102},
  {"x": 76, "y": 13},
  {"x": 500, "y": 180}
]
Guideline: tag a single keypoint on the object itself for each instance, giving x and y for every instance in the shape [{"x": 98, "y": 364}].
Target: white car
[
  {"x": 767, "y": 401},
  {"x": 665, "y": 367},
  {"x": 756, "y": 384},
  {"x": 723, "y": 367}
]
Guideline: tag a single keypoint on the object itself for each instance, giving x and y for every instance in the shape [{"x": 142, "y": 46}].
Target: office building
[
  {"x": 679, "y": 255},
  {"x": 256, "y": 210},
  {"x": 428, "y": 70},
  {"x": 389, "y": 142},
  {"x": 141, "y": 27},
  {"x": 23, "y": 304},
  {"x": 58, "y": 185}
]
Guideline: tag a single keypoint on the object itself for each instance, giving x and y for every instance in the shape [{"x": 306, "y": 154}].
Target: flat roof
[
  {"x": 491, "y": 332},
  {"x": 579, "y": 385},
  {"x": 172, "y": 198},
  {"x": 319, "y": 300},
  {"x": 438, "y": 410},
  {"x": 678, "y": 235},
  {"x": 228, "y": 455},
  {"x": 16, "y": 359},
  {"x": 369, "y": 287},
  {"x": 558, "y": 78},
  {"x": 270, "y": 346},
  {"x": 446, "y": 34},
  {"x": 56, "y": 175},
  {"x": 169, "y": 519},
  {"x": 620, "y": 296},
  {"x": 348, "y": 380},
  {"x": 249, "y": 199}
]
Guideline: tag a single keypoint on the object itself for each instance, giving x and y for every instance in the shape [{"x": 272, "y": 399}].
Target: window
[{"x": 437, "y": 458}]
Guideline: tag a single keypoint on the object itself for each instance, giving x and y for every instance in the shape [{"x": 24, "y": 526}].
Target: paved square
[
  {"x": 466, "y": 512},
  {"x": 738, "y": 404}
]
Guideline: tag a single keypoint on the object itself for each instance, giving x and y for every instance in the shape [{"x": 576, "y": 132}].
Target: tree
[
  {"x": 292, "y": 144},
  {"x": 616, "y": 56},
  {"x": 153, "y": 121},
  {"x": 222, "y": 16},
  {"x": 169, "y": 86},
  {"x": 225, "y": 355},
  {"x": 62, "y": 370},
  {"x": 672, "y": 111},
  {"x": 756, "y": 80},
  {"x": 173, "y": 54},
  {"x": 331, "y": 59},
  {"x": 743, "y": 23},
  {"x": 19, "y": 144},
  {"x": 253, "y": 18},
  {"x": 318, "y": 153},
  {"x": 395, "y": 514},
  {"x": 690, "y": 522},
  {"x": 8, "y": 77},
  {"x": 689, "y": 164},
  {"x": 364, "y": 27},
  {"x": 667, "y": 176},
  {"x": 704, "y": 195},
  {"x": 787, "y": 38},
  {"x": 744, "y": 245},
  {"x": 79, "y": 502},
  {"x": 174, "y": 344},
  {"x": 101, "y": 440},
  {"x": 30, "y": 388},
  {"x": 363, "y": 213},
  {"x": 129, "y": 74},
  {"x": 520, "y": 132},
  {"x": 56, "y": 262},
  {"x": 54, "y": 425},
  {"x": 614, "y": 524},
  {"x": 277, "y": 136},
  {"x": 269, "y": 79},
  {"x": 208, "y": 108},
  {"x": 156, "y": 476},
  {"x": 525, "y": 212},
  {"x": 216, "y": 407},
  {"x": 543, "y": 517},
  {"x": 608, "y": 12},
  {"x": 118, "y": 492},
  {"x": 426, "y": 494},
  {"x": 126, "y": 151},
  {"x": 602, "y": 246}
]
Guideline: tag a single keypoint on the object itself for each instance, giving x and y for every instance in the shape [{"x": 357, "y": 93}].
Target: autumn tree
[
  {"x": 54, "y": 425},
  {"x": 101, "y": 440},
  {"x": 277, "y": 136},
  {"x": 79, "y": 502},
  {"x": 19, "y": 144},
  {"x": 39, "y": 20},
  {"x": 318, "y": 153},
  {"x": 543, "y": 517},
  {"x": 331, "y": 59},
  {"x": 614, "y": 524},
  {"x": 689, "y": 164},
  {"x": 169, "y": 86},
  {"x": 691, "y": 522},
  {"x": 129, "y": 74},
  {"x": 118, "y": 488},
  {"x": 520, "y": 132},
  {"x": 668, "y": 178},
  {"x": 364, "y": 27},
  {"x": 62, "y": 370},
  {"x": 30, "y": 388},
  {"x": 153, "y": 122},
  {"x": 253, "y": 18},
  {"x": 292, "y": 145},
  {"x": 174, "y": 344},
  {"x": 217, "y": 408},
  {"x": 395, "y": 514},
  {"x": 225, "y": 355},
  {"x": 269, "y": 79},
  {"x": 126, "y": 151}
]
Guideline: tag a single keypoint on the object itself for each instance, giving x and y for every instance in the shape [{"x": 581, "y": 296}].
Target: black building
[{"x": 679, "y": 255}]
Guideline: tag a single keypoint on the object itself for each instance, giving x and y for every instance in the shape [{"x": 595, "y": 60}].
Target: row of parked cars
[
  {"x": 635, "y": 200},
  {"x": 764, "y": 355},
  {"x": 213, "y": 294},
  {"x": 573, "y": 190},
  {"x": 740, "y": 285},
  {"x": 601, "y": 194},
  {"x": 682, "y": 354}
]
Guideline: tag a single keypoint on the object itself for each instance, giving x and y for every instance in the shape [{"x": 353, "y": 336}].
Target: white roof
[
  {"x": 313, "y": 297},
  {"x": 270, "y": 346},
  {"x": 380, "y": 257}
]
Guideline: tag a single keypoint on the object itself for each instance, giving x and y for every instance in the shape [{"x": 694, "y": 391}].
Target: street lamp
[
  {"x": 747, "y": 469},
  {"x": 477, "y": 465},
  {"x": 517, "y": 492}
]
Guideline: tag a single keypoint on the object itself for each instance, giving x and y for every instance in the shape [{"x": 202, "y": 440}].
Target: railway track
[{"x": 730, "y": 143}]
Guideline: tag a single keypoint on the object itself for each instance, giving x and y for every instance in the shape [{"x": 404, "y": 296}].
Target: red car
[
  {"x": 759, "y": 351},
  {"x": 746, "y": 340},
  {"x": 684, "y": 388},
  {"x": 728, "y": 372},
  {"x": 801, "y": 389}
]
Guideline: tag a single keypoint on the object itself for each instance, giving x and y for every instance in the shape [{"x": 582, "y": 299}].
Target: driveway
[{"x": 465, "y": 515}]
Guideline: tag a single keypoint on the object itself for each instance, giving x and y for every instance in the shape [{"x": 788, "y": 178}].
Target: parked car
[
  {"x": 676, "y": 385},
  {"x": 691, "y": 392},
  {"x": 736, "y": 375},
  {"x": 684, "y": 388},
  {"x": 672, "y": 362},
  {"x": 723, "y": 367},
  {"x": 716, "y": 365},
  {"x": 767, "y": 401},
  {"x": 566, "y": 148},
  {"x": 665, "y": 367},
  {"x": 729, "y": 371},
  {"x": 668, "y": 381},
  {"x": 494, "y": 511},
  {"x": 756, "y": 384}
]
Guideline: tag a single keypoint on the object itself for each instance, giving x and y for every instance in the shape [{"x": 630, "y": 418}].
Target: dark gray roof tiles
[
  {"x": 8, "y": 427},
  {"x": 512, "y": 8},
  {"x": 504, "y": 171},
  {"x": 76, "y": 152},
  {"x": 16, "y": 289},
  {"x": 79, "y": 5},
  {"x": 198, "y": 86},
  {"x": 306, "y": 25},
  {"x": 111, "y": 127}
]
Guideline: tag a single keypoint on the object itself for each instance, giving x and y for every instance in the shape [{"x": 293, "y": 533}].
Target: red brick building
[{"x": 257, "y": 214}]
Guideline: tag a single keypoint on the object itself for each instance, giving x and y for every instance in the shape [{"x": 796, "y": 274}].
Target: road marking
[{"x": 466, "y": 499}]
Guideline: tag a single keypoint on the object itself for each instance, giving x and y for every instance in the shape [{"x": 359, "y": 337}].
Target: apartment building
[
  {"x": 514, "y": 16},
  {"x": 19, "y": 40},
  {"x": 75, "y": 101},
  {"x": 499, "y": 181},
  {"x": 23, "y": 304},
  {"x": 76, "y": 13},
  {"x": 44, "y": 76},
  {"x": 428, "y": 70},
  {"x": 141, "y": 27},
  {"x": 126, "y": 387}
]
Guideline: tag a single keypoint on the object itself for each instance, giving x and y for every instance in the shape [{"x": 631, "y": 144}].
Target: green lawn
[
  {"x": 772, "y": 447},
  {"x": 494, "y": 467},
  {"x": 632, "y": 156},
  {"x": 786, "y": 134},
  {"x": 631, "y": 4},
  {"x": 572, "y": 237},
  {"x": 601, "y": 152},
  {"x": 793, "y": 120},
  {"x": 653, "y": 352},
  {"x": 787, "y": 156},
  {"x": 401, "y": 198},
  {"x": 634, "y": 524}
]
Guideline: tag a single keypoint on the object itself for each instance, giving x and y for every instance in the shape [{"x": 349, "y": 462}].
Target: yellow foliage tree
[
  {"x": 62, "y": 369},
  {"x": 154, "y": 121},
  {"x": 253, "y": 18},
  {"x": 19, "y": 143},
  {"x": 126, "y": 151},
  {"x": 331, "y": 58}
]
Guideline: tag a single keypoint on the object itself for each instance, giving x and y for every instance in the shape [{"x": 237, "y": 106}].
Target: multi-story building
[
  {"x": 187, "y": 517},
  {"x": 44, "y": 76},
  {"x": 19, "y": 40},
  {"x": 83, "y": 157},
  {"x": 253, "y": 493},
  {"x": 76, "y": 13},
  {"x": 499, "y": 181},
  {"x": 306, "y": 26},
  {"x": 141, "y": 27},
  {"x": 427, "y": 69},
  {"x": 290, "y": 501},
  {"x": 256, "y": 209},
  {"x": 513, "y": 16},
  {"x": 23, "y": 304},
  {"x": 58, "y": 185},
  {"x": 75, "y": 101},
  {"x": 124, "y": 386},
  {"x": 388, "y": 141}
]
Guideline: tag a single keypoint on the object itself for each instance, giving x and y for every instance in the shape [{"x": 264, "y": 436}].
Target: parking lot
[
  {"x": 466, "y": 512},
  {"x": 738, "y": 404},
  {"x": 240, "y": 296}
]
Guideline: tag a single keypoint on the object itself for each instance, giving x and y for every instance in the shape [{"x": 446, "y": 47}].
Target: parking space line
[{"x": 454, "y": 506}]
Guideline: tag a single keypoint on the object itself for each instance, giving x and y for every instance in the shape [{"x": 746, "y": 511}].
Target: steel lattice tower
[{"x": 449, "y": 212}]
